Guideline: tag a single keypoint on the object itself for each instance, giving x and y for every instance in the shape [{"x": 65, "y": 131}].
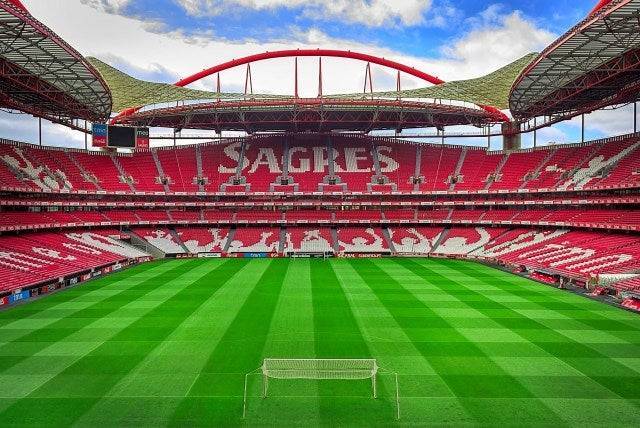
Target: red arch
[
  {"x": 18, "y": 4},
  {"x": 290, "y": 53},
  {"x": 336, "y": 53},
  {"x": 601, "y": 4}
]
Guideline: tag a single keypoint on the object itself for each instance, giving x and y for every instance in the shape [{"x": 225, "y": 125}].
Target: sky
[{"x": 164, "y": 40}]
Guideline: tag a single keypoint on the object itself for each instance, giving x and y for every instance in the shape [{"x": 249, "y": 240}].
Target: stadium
[{"x": 223, "y": 258}]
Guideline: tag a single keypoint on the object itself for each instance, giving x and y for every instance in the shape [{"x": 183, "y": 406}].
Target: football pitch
[{"x": 169, "y": 343}]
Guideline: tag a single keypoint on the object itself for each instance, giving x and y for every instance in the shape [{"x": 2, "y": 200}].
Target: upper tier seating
[
  {"x": 259, "y": 164},
  {"x": 104, "y": 169},
  {"x": 72, "y": 178},
  {"x": 398, "y": 164},
  {"x": 219, "y": 163},
  {"x": 264, "y": 163},
  {"x": 517, "y": 168},
  {"x": 180, "y": 168},
  {"x": 437, "y": 166},
  {"x": 354, "y": 163},
  {"x": 476, "y": 169},
  {"x": 142, "y": 168}
]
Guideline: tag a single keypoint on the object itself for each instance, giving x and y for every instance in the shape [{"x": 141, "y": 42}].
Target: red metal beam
[
  {"x": 601, "y": 4},
  {"x": 294, "y": 53}
]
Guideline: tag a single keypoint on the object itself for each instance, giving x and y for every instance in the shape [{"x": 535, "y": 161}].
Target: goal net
[{"x": 314, "y": 368}]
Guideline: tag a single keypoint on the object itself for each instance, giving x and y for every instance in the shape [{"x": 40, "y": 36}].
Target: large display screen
[{"x": 122, "y": 136}]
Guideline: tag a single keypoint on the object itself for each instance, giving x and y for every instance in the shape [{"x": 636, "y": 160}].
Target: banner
[
  {"x": 99, "y": 135},
  {"x": 142, "y": 138},
  {"x": 4, "y": 301},
  {"x": 209, "y": 255},
  {"x": 255, "y": 255},
  {"x": 16, "y": 297}
]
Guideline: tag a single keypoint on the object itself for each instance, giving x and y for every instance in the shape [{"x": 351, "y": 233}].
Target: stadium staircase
[
  {"x": 127, "y": 179},
  {"x": 162, "y": 177},
  {"x": 456, "y": 172}
]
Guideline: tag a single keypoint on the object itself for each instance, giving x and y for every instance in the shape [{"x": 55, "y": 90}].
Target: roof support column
[
  {"x": 635, "y": 117},
  {"x": 40, "y": 131},
  {"x": 535, "y": 133},
  {"x": 582, "y": 129},
  {"x": 488, "y": 137},
  {"x": 86, "y": 147}
]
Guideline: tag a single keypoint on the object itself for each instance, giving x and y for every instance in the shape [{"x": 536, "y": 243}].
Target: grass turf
[{"x": 168, "y": 343}]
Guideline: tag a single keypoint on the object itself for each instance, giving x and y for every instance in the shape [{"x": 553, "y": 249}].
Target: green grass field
[{"x": 168, "y": 343}]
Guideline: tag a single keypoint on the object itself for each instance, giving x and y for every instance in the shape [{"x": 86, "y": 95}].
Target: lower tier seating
[
  {"x": 203, "y": 239},
  {"x": 308, "y": 239},
  {"x": 161, "y": 238},
  {"x": 34, "y": 258},
  {"x": 362, "y": 240}
]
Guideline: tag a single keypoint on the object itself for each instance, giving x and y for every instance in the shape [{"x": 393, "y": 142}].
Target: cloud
[
  {"x": 24, "y": 127},
  {"x": 602, "y": 123},
  {"x": 497, "y": 38},
  {"x": 372, "y": 13},
  {"x": 109, "y": 6}
]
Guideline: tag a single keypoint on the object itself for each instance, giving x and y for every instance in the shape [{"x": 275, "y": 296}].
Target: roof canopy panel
[
  {"x": 42, "y": 75},
  {"x": 594, "y": 65},
  {"x": 310, "y": 114}
]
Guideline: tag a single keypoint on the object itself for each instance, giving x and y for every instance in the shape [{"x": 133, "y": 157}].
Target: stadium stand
[
  {"x": 249, "y": 240},
  {"x": 308, "y": 240},
  {"x": 203, "y": 239}
]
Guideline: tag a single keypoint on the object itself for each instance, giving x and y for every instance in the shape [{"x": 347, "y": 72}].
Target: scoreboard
[{"x": 120, "y": 136}]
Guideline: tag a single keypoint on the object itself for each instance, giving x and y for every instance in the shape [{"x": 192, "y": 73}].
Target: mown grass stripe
[
  {"x": 47, "y": 302},
  {"x": 238, "y": 352},
  {"x": 561, "y": 302},
  {"x": 169, "y": 371},
  {"x": 93, "y": 375},
  {"x": 466, "y": 383},
  {"x": 338, "y": 335},
  {"x": 576, "y": 355},
  {"x": 59, "y": 330},
  {"x": 422, "y": 390}
]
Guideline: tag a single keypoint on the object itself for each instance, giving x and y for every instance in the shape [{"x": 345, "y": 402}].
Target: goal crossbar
[
  {"x": 320, "y": 369},
  {"x": 281, "y": 368}
]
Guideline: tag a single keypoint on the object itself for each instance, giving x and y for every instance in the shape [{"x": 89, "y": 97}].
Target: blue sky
[
  {"x": 163, "y": 40},
  {"x": 444, "y": 20}
]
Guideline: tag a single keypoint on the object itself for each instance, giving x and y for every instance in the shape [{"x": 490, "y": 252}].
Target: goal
[{"x": 318, "y": 368}]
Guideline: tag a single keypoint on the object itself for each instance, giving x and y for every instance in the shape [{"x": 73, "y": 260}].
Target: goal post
[{"x": 318, "y": 369}]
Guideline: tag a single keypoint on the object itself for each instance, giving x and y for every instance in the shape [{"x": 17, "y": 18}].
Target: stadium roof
[
  {"x": 492, "y": 89},
  {"x": 594, "y": 65},
  {"x": 309, "y": 114},
  {"x": 42, "y": 75}
]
